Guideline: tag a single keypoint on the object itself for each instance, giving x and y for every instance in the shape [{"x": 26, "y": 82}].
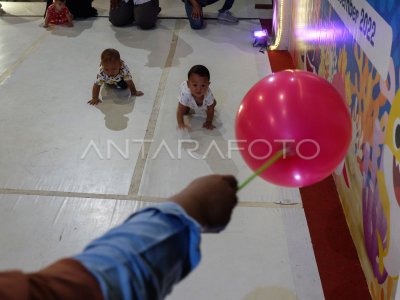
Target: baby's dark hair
[
  {"x": 199, "y": 70},
  {"x": 110, "y": 55},
  {"x": 63, "y": 1}
]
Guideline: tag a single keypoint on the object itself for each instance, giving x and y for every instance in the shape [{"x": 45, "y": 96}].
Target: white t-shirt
[{"x": 185, "y": 98}]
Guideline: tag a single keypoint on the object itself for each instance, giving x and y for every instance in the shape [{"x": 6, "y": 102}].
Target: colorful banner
[
  {"x": 369, "y": 29},
  {"x": 354, "y": 45}
]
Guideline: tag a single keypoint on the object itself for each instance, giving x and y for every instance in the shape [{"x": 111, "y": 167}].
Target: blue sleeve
[{"x": 146, "y": 255}]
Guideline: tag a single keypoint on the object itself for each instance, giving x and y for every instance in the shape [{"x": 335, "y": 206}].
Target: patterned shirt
[
  {"x": 185, "y": 98},
  {"x": 57, "y": 17},
  {"x": 124, "y": 74}
]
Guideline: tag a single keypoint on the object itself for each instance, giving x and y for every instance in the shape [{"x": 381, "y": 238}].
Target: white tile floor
[{"x": 57, "y": 193}]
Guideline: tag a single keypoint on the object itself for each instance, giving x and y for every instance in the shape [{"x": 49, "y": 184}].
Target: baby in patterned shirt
[
  {"x": 113, "y": 72},
  {"x": 196, "y": 95},
  {"x": 58, "y": 14}
]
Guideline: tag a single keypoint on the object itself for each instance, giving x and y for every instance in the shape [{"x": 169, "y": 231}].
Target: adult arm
[
  {"x": 158, "y": 246},
  {"x": 142, "y": 258}
]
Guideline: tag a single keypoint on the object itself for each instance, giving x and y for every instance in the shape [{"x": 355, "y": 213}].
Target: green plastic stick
[{"x": 265, "y": 166}]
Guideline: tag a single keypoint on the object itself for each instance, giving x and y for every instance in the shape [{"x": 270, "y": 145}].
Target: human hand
[
  {"x": 114, "y": 4},
  {"x": 137, "y": 93},
  {"x": 208, "y": 125},
  {"x": 197, "y": 11},
  {"x": 94, "y": 101},
  {"x": 209, "y": 200},
  {"x": 183, "y": 133},
  {"x": 183, "y": 126}
]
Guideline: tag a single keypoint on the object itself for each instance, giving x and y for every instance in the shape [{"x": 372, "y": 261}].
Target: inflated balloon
[{"x": 297, "y": 110}]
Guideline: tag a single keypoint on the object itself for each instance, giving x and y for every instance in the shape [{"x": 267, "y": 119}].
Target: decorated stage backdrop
[{"x": 355, "y": 44}]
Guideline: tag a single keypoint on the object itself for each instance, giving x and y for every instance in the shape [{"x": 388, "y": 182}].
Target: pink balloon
[{"x": 297, "y": 109}]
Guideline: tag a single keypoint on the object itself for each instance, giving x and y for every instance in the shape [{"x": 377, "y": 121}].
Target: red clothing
[{"x": 57, "y": 17}]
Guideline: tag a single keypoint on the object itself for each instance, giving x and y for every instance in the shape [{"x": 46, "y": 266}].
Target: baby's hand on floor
[
  {"x": 208, "y": 125},
  {"x": 183, "y": 133},
  {"x": 137, "y": 93},
  {"x": 183, "y": 126},
  {"x": 94, "y": 101}
]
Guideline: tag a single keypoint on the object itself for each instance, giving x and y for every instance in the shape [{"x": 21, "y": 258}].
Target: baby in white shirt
[{"x": 195, "y": 94}]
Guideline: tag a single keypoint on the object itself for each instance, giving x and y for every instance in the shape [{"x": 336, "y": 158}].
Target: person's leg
[
  {"x": 227, "y": 5},
  {"x": 49, "y": 2},
  {"x": 194, "y": 23},
  {"x": 208, "y": 2},
  {"x": 123, "y": 14},
  {"x": 225, "y": 15},
  {"x": 146, "y": 14}
]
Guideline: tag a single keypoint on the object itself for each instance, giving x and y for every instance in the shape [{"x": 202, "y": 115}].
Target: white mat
[
  {"x": 36, "y": 231},
  {"x": 12, "y": 49},
  {"x": 52, "y": 139},
  {"x": 46, "y": 126},
  {"x": 264, "y": 254},
  {"x": 234, "y": 66},
  {"x": 59, "y": 143}
]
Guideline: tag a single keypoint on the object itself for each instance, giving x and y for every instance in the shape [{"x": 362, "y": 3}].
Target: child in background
[
  {"x": 58, "y": 14},
  {"x": 195, "y": 94},
  {"x": 113, "y": 72}
]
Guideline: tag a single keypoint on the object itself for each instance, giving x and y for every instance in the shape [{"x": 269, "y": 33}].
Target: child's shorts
[{"x": 119, "y": 85}]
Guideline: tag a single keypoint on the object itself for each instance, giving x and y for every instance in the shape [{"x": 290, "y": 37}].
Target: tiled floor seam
[
  {"x": 7, "y": 73},
  {"x": 143, "y": 198},
  {"x": 144, "y": 152}
]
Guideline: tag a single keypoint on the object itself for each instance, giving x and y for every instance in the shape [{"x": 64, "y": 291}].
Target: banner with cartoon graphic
[{"x": 355, "y": 45}]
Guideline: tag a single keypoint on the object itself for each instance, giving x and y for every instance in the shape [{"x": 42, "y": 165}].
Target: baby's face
[
  {"x": 198, "y": 85},
  {"x": 111, "y": 68},
  {"x": 59, "y": 4}
]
